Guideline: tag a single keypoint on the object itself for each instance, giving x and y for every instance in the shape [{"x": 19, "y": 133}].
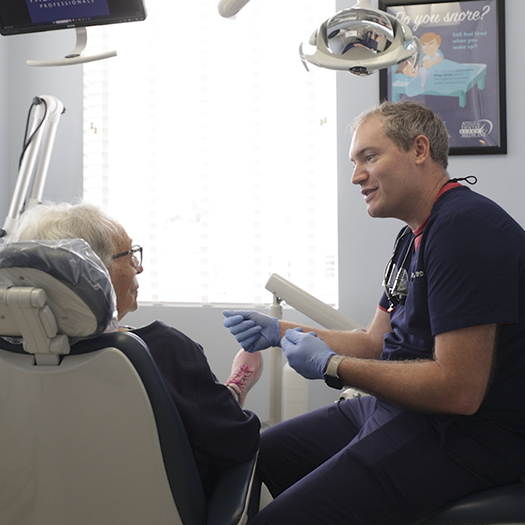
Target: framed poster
[{"x": 462, "y": 71}]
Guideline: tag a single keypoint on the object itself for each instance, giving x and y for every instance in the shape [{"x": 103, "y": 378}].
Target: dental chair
[{"x": 88, "y": 432}]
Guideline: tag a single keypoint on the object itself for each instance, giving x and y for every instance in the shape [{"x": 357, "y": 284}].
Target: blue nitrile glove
[
  {"x": 306, "y": 353},
  {"x": 253, "y": 330}
]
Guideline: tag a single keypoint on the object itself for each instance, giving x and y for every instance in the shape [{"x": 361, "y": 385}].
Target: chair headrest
[{"x": 76, "y": 283}]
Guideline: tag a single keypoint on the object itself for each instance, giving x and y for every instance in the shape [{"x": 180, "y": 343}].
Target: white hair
[{"x": 50, "y": 222}]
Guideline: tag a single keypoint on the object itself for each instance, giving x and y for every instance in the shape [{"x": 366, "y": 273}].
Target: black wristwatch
[{"x": 331, "y": 377}]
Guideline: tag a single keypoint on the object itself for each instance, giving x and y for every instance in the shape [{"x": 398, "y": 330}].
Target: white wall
[{"x": 364, "y": 243}]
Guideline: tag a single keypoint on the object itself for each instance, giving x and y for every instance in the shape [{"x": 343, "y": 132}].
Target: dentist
[{"x": 443, "y": 358}]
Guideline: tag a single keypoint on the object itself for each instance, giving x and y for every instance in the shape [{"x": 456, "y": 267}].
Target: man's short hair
[{"x": 404, "y": 121}]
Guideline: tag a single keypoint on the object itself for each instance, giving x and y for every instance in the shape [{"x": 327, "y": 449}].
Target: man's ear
[{"x": 421, "y": 148}]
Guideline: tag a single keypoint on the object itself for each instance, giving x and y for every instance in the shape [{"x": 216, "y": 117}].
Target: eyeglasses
[
  {"x": 136, "y": 255},
  {"x": 396, "y": 288}
]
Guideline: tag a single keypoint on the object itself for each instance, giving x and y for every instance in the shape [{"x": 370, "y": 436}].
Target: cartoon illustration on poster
[{"x": 458, "y": 75}]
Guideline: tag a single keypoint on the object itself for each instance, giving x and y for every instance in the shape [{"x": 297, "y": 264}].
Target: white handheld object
[{"x": 229, "y": 8}]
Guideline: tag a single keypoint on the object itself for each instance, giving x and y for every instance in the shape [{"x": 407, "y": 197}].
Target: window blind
[{"x": 208, "y": 140}]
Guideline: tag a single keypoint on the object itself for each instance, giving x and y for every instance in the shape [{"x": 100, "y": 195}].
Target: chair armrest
[
  {"x": 230, "y": 497},
  {"x": 504, "y": 504}
]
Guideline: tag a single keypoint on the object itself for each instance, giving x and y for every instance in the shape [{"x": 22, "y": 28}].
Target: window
[{"x": 208, "y": 140}]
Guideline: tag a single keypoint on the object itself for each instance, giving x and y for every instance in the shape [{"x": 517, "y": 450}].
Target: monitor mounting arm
[{"x": 75, "y": 57}]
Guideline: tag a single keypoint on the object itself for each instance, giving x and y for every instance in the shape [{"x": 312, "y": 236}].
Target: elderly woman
[{"x": 220, "y": 432}]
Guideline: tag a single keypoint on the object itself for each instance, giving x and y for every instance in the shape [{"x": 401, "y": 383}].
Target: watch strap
[{"x": 331, "y": 376}]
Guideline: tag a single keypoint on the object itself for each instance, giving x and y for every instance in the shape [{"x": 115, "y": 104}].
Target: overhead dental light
[
  {"x": 229, "y": 8},
  {"x": 361, "y": 40}
]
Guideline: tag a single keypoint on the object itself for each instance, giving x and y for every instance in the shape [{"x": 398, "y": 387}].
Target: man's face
[
  {"x": 430, "y": 47},
  {"x": 123, "y": 273},
  {"x": 384, "y": 172}
]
